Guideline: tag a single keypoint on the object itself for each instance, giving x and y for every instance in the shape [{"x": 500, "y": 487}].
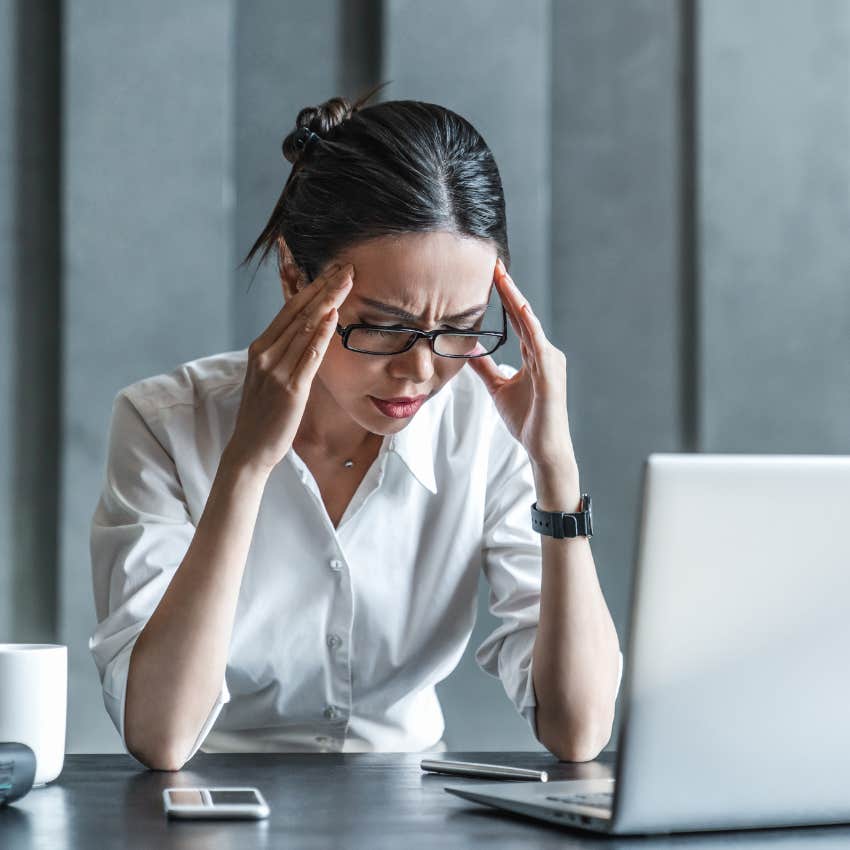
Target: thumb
[{"x": 486, "y": 369}]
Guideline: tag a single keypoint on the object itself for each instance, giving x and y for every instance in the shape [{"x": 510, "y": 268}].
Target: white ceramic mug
[{"x": 33, "y": 702}]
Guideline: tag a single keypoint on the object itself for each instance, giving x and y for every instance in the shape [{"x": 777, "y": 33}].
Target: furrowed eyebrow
[{"x": 403, "y": 314}]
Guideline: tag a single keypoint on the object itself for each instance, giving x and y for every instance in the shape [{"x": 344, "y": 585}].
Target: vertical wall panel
[
  {"x": 148, "y": 262},
  {"x": 615, "y": 255},
  {"x": 774, "y": 175},
  {"x": 284, "y": 63},
  {"x": 30, "y": 332},
  {"x": 493, "y": 68},
  {"x": 8, "y": 87}
]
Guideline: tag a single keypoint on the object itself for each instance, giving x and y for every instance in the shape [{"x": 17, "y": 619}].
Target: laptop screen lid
[{"x": 737, "y": 686}]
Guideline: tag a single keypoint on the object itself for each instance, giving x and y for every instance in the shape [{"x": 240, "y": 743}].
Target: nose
[{"x": 416, "y": 365}]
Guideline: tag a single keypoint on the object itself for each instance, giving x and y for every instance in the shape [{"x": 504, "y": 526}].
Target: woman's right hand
[{"x": 282, "y": 363}]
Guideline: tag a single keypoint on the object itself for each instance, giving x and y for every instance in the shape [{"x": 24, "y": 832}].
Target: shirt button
[
  {"x": 334, "y": 641},
  {"x": 336, "y": 565},
  {"x": 330, "y": 712}
]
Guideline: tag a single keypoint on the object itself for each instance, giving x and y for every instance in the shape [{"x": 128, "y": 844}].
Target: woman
[{"x": 286, "y": 549}]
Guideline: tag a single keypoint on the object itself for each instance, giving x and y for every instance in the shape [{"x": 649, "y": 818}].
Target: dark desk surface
[{"x": 322, "y": 801}]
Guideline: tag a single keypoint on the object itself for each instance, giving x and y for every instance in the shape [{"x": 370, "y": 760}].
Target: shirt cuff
[{"x": 115, "y": 695}]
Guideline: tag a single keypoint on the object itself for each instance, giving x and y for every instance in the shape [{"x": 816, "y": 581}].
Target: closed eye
[
  {"x": 378, "y": 331},
  {"x": 387, "y": 327},
  {"x": 473, "y": 327}
]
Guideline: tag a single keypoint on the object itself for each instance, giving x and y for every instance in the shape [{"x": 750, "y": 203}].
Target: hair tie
[{"x": 304, "y": 138}]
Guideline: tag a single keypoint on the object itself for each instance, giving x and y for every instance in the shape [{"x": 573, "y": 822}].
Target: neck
[{"x": 327, "y": 430}]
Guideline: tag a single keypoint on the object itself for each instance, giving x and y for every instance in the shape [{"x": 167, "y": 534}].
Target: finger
[
  {"x": 486, "y": 369},
  {"x": 512, "y": 317},
  {"x": 547, "y": 362},
  {"x": 314, "y": 352},
  {"x": 533, "y": 334},
  {"x": 300, "y": 330},
  {"x": 299, "y": 336},
  {"x": 535, "y": 337},
  {"x": 298, "y": 302},
  {"x": 532, "y": 339},
  {"x": 307, "y": 298},
  {"x": 513, "y": 301}
]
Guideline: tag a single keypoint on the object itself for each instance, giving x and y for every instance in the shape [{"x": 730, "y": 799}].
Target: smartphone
[{"x": 203, "y": 803}]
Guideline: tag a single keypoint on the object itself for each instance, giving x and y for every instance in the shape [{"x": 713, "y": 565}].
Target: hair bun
[{"x": 314, "y": 123}]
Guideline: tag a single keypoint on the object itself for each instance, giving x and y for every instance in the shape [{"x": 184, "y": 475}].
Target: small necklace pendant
[{"x": 348, "y": 464}]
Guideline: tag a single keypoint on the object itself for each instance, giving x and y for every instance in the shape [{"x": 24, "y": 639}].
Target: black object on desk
[{"x": 17, "y": 771}]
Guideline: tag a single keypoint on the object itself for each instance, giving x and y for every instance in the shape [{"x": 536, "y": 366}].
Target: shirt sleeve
[
  {"x": 140, "y": 532},
  {"x": 512, "y": 564},
  {"x": 511, "y": 560}
]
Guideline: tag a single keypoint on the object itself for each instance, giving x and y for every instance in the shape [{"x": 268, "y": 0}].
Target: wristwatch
[{"x": 560, "y": 525}]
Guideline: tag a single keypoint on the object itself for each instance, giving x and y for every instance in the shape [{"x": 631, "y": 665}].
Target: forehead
[{"x": 424, "y": 273}]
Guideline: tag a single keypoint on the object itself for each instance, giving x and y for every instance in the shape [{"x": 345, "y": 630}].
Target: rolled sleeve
[
  {"x": 140, "y": 532},
  {"x": 512, "y": 561},
  {"x": 512, "y": 564}
]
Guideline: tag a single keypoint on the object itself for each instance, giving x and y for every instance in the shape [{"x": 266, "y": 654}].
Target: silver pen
[{"x": 488, "y": 771}]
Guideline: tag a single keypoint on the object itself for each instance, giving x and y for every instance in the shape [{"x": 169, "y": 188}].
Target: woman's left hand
[{"x": 533, "y": 402}]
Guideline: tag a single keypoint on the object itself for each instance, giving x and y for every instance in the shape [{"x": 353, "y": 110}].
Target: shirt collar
[{"x": 414, "y": 444}]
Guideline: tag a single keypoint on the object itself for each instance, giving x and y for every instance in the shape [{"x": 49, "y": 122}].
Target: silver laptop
[{"x": 736, "y": 682}]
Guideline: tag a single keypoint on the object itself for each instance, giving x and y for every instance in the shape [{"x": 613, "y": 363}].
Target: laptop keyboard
[{"x": 602, "y": 799}]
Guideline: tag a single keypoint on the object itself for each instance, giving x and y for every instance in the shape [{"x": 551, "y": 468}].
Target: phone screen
[
  {"x": 186, "y": 798},
  {"x": 239, "y": 798}
]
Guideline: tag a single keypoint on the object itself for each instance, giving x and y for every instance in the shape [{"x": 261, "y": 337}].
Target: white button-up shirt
[{"x": 340, "y": 634}]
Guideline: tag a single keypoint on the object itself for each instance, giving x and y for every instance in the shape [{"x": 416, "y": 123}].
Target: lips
[
  {"x": 398, "y": 409},
  {"x": 403, "y": 400}
]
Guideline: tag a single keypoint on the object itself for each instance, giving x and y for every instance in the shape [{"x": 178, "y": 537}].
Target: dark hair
[{"x": 396, "y": 167}]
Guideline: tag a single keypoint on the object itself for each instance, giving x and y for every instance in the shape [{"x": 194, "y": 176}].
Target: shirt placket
[{"x": 336, "y": 713}]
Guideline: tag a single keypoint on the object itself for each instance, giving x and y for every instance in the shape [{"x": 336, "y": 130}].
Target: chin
[{"x": 382, "y": 426}]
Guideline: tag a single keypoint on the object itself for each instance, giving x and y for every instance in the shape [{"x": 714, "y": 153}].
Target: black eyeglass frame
[{"x": 345, "y": 333}]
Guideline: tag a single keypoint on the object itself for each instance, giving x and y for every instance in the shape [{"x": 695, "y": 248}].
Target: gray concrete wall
[
  {"x": 774, "y": 211},
  {"x": 676, "y": 175},
  {"x": 148, "y": 256},
  {"x": 616, "y": 264},
  {"x": 30, "y": 329},
  {"x": 8, "y": 87},
  {"x": 284, "y": 62}
]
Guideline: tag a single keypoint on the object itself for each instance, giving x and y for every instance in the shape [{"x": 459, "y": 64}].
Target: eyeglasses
[{"x": 377, "y": 339}]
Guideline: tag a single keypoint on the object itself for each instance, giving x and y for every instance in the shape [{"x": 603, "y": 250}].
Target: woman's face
[{"x": 433, "y": 277}]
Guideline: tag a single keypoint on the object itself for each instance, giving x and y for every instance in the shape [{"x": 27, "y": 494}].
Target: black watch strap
[{"x": 560, "y": 525}]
